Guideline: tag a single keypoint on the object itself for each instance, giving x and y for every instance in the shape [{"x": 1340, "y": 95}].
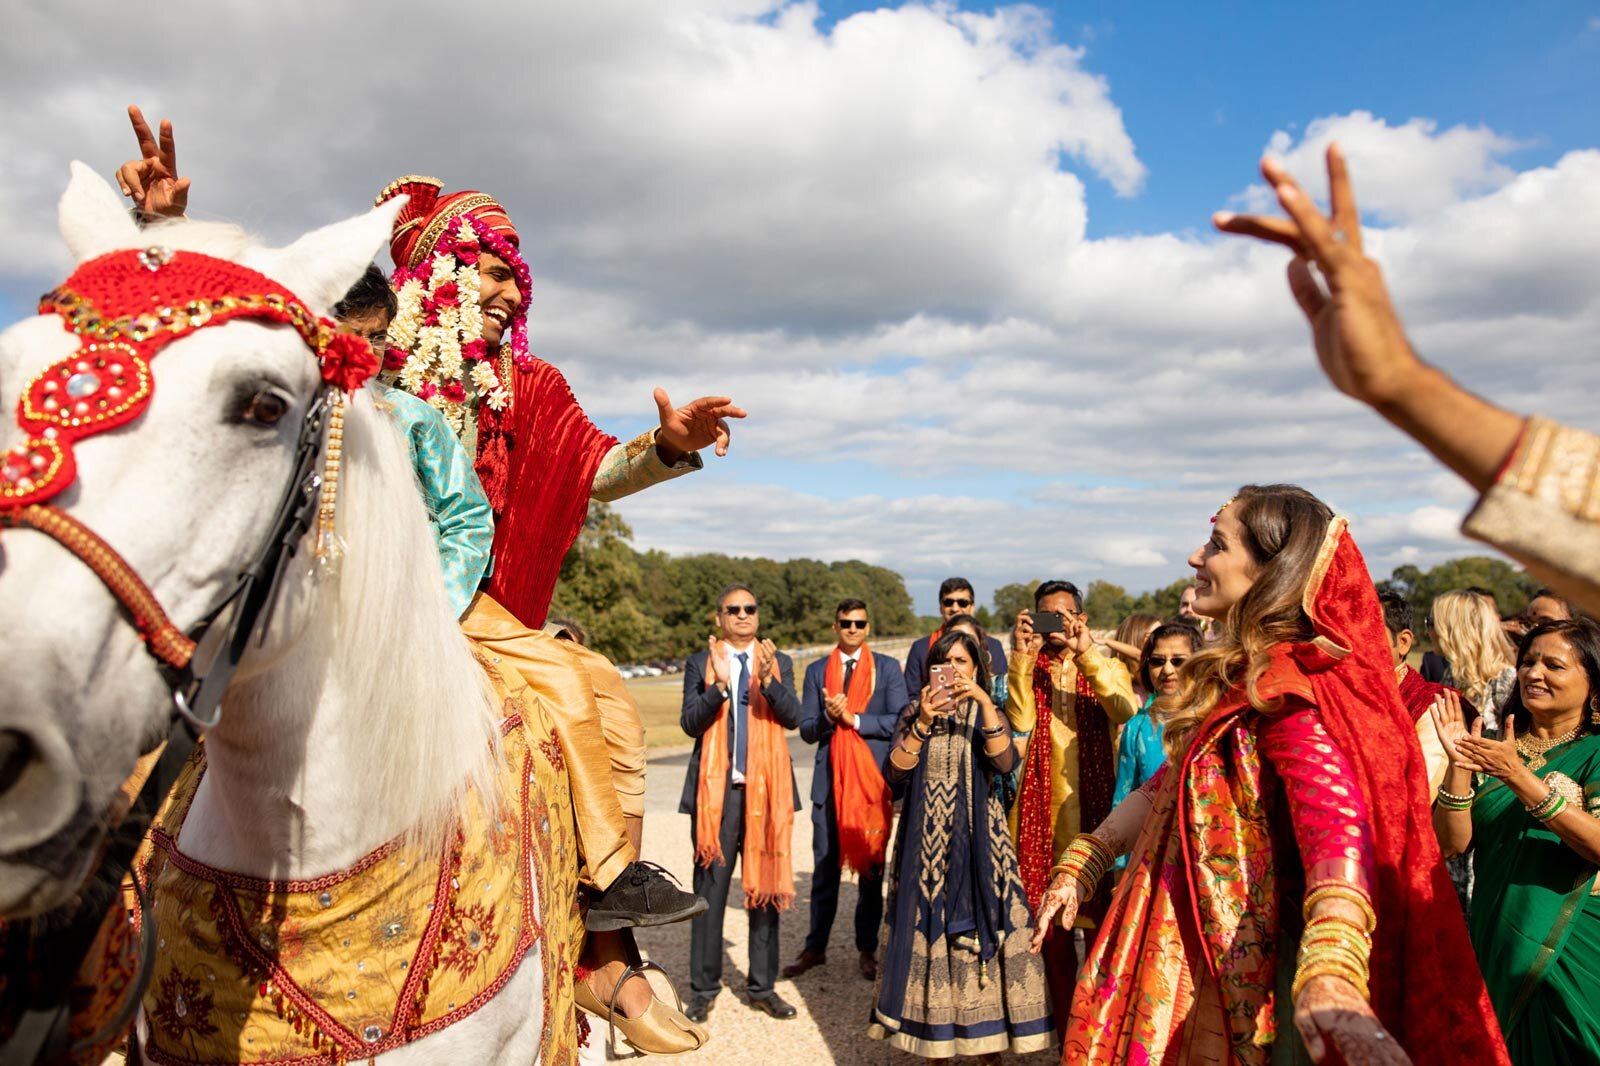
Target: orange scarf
[
  {"x": 860, "y": 795},
  {"x": 768, "y": 797}
]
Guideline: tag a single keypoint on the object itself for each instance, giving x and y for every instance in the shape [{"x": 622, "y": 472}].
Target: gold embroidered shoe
[{"x": 660, "y": 1030}]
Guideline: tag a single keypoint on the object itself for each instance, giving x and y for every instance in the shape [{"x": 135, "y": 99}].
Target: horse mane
[
  {"x": 380, "y": 640},
  {"x": 221, "y": 239},
  {"x": 397, "y": 640}
]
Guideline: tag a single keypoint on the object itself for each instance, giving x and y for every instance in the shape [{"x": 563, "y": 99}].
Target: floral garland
[{"x": 435, "y": 342}]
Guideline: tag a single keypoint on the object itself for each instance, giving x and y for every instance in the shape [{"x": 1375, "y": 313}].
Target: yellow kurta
[{"x": 1110, "y": 681}]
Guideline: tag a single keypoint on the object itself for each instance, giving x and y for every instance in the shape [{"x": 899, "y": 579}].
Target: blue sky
[{"x": 896, "y": 235}]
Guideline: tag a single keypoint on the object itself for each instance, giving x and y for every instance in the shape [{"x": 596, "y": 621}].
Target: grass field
[{"x": 660, "y": 699}]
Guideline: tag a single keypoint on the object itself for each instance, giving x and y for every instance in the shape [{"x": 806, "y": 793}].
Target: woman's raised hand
[
  {"x": 152, "y": 181},
  {"x": 1485, "y": 755},
  {"x": 1331, "y": 1010},
  {"x": 1449, "y": 723},
  {"x": 1360, "y": 341},
  {"x": 1061, "y": 901},
  {"x": 965, "y": 688}
]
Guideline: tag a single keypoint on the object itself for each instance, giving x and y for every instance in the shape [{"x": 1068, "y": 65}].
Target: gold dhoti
[{"x": 561, "y": 678}]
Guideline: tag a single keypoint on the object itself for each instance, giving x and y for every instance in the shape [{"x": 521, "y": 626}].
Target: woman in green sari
[{"x": 1533, "y": 819}]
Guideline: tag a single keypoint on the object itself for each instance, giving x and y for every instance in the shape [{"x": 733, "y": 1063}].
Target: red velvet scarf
[
  {"x": 1096, "y": 783},
  {"x": 861, "y": 799},
  {"x": 537, "y": 463}
]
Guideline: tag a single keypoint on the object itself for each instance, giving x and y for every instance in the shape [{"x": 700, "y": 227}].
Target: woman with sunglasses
[{"x": 1139, "y": 751}]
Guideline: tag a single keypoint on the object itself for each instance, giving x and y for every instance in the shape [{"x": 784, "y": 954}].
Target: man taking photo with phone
[{"x": 1066, "y": 703}]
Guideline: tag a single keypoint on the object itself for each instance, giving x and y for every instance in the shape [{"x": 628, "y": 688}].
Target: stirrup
[{"x": 637, "y": 969}]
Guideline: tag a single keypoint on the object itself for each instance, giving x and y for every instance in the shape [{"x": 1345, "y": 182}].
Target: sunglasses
[
  {"x": 1156, "y": 662},
  {"x": 951, "y": 601},
  {"x": 735, "y": 609},
  {"x": 852, "y": 623}
]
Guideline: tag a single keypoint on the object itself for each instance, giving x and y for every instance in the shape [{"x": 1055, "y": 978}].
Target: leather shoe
[
  {"x": 698, "y": 1009},
  {"x": 869, "y": 965},
  {"x": 774, "y": 1005},
  {"x": 806, "y": 961}
]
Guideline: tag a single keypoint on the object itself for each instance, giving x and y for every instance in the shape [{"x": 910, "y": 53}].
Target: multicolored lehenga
[{"x": 957, "y": 977}]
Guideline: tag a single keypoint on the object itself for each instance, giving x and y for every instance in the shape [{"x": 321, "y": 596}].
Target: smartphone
[
  {"x": 941, "y": 676},
  {"x": 1046, "y": 622}
]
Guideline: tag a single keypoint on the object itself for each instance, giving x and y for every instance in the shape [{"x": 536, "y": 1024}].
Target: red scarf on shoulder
[
  {"x": 1096, "y": 773},
  {"x": 860, "y": 795}
]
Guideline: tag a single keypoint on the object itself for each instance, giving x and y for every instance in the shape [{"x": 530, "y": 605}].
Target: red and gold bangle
[{"x": 1087, "y": 858}]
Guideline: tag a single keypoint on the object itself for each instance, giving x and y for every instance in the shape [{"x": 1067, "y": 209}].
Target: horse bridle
[{"x": 197, "y": 665}]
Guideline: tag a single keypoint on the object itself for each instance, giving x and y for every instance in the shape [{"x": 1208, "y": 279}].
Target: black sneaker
[{"x": 643, "y": 894}]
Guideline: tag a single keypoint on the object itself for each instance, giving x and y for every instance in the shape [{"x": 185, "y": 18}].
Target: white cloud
[
  {"x": 867, "y": 235},
  {"x": 1405, "y": 170}
]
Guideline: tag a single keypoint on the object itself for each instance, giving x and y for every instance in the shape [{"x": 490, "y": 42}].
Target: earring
[{"x": 1594, "y": 711}]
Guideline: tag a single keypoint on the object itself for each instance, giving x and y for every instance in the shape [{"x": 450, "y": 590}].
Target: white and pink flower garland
[{"x": 436, "y": 339}]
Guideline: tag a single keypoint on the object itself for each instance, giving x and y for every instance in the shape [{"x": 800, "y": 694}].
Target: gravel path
[{"x": 833, "y": 1000}]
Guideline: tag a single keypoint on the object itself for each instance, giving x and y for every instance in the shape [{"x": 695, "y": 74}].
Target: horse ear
[
  {"x": 94, "y": 220},
  {"x": 321, "y": 266}
]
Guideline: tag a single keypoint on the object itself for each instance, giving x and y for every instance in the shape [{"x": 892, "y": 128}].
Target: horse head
[{"x": 185, "y": 493}]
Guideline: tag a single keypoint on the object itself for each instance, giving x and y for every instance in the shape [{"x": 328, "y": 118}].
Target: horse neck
[
  {"x": 372, "y": 718},
  {"x": 283, "y": 798}
]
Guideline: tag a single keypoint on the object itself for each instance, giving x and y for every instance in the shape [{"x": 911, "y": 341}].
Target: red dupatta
[
  {"x": 861, "y": 800},
  {"x": 1095, "y": 784}
]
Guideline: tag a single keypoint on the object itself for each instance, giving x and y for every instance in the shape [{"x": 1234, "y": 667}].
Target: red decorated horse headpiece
[{"x": 125, "y": 307}]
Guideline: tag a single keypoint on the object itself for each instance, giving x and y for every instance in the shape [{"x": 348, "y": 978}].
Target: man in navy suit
[
  {"x": 821, "y": 717},
  {"x": 741, "y": 656},
  {"x": 955, "y": 598}
]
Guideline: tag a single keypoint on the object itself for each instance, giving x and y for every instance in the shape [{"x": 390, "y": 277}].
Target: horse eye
[{"x": 265, "y": 408}]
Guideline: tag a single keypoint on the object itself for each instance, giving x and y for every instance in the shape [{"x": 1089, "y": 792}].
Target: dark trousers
[
  {"x": 825, "y": 887},
  {"x": 1061, "y": 963},
  {"x": 705, "y": 931}
]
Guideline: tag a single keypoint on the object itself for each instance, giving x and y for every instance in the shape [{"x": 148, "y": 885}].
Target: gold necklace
[{"x": 1533, "y": 749}]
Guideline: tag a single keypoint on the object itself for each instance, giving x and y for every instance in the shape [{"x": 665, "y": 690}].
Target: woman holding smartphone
[{"x": 957, "y": 977}]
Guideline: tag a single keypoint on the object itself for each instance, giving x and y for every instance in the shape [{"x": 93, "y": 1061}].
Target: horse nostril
[{"x": 16, "y": 752}]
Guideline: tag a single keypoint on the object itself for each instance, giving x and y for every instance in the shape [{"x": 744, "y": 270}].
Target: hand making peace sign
[{"x": 152, "y": 181}]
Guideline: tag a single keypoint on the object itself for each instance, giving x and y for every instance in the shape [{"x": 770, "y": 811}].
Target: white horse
[{"x": 361, "y": 716}]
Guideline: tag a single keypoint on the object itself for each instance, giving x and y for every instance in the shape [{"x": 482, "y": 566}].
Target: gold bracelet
[
  {"x": 1306, "y": 974},
  {"x": 1345, "y": 891},
  {"x": 1334, "y": 928}
]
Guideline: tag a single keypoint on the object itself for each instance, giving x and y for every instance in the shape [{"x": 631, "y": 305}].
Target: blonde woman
[
  {"x": 1128, "y": 645},
  {"x": 1482, "y": 661}
]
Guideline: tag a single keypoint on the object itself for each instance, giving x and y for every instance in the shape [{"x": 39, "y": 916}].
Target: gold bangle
[
  {"x": 1344, "y": 891},
  {"x": 1306, "y": 974}
]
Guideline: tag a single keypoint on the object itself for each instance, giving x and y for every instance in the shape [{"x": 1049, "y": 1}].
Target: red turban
[{"x": 428, "y": 216}]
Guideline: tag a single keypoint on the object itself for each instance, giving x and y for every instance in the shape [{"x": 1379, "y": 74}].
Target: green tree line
[{"x": 650, "y": 605}]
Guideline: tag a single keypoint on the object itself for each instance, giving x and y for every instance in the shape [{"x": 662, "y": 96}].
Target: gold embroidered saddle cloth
[{"x": 399, "y": 946}]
